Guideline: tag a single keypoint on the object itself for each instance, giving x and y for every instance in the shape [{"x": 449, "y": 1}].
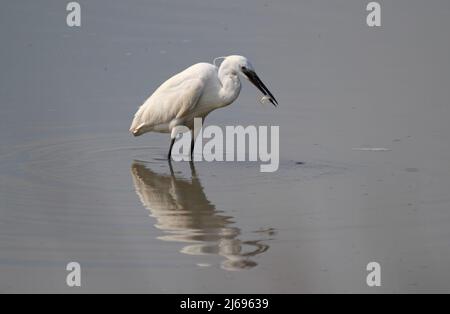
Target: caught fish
[{"x": 265, "y": 100}]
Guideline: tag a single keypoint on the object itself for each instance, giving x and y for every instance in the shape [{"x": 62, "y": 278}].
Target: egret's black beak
[{"x": 251, "y": 75}]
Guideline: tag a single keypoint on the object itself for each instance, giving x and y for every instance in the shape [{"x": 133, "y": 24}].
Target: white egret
[{"x": 194, "y": 93}]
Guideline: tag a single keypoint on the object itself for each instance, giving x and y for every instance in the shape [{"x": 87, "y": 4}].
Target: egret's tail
[
  {"x": 136, "y": 131},
  {"x": 137, "y": 124}
]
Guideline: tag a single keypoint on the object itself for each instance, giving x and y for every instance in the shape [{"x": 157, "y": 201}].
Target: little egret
[{"x": 194, "y": 93}]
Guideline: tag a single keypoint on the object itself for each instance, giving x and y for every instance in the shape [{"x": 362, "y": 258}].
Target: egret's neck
[{"x": 231, "y": 85}]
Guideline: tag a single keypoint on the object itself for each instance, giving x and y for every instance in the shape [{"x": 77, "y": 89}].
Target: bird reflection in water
[{"x": 184, "y": 213}]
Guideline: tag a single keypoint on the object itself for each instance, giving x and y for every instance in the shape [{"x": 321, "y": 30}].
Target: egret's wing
[
  {"x": 176, "y": 98},
  {"x": 188, "y": 99}
]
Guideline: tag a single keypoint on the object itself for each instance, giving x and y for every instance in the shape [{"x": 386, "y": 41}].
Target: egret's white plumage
[{"x": 194, "y": 93}]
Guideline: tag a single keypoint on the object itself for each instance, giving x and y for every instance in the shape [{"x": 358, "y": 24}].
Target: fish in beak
[{"x": 253, "y": 77}]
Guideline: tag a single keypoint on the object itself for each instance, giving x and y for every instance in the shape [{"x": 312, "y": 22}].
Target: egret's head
[
  {"x": 235, "y": 64},
  {"x": 241, "y": 65}
]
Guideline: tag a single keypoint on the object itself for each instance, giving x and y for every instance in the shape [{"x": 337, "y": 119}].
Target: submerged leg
[
  {"x": 172, "y": 173},
  {"x": 193, "y": 171}
]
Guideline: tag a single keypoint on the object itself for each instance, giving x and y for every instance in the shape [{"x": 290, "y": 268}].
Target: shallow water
[{"x": 364, "y": 161}]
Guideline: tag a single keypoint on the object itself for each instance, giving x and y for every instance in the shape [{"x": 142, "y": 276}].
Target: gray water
[{"x": 75, "y": 186}]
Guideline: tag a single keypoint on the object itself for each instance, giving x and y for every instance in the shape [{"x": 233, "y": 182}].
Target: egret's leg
[
  {"x": 194, "y": 133},
  {"x": 169, "y": 156},
  {"x": 173, "y": 137},
  {"x": 172, "y": 173},
  {"x": 193, "y": 171},
  {"x": 192, "y": 144}
]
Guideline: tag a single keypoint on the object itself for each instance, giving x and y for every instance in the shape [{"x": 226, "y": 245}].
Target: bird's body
[
  {"x": 193, "y": 93},
  {"x": 185, "y": 96}
]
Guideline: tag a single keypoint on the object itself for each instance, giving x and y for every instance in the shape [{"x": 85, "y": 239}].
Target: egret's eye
[{"x": 243, "y": 68}]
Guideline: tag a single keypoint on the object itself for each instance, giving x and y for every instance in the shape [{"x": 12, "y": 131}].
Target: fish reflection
[{"x": 185, "y": 214}]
